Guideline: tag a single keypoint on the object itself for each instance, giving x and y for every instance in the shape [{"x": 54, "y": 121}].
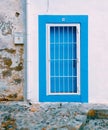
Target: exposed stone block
[{"x": 6, "y": 73}]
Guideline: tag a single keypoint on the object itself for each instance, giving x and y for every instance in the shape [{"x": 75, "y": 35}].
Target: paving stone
[{"x": 53, "y": 116}]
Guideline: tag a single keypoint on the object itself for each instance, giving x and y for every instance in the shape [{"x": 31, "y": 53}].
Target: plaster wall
[
  {"x": 97, "y": 44},
  {"x": 11, "y": 55}
]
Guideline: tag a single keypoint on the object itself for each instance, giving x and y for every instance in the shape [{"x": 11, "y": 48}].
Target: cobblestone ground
[{"x": 53, "y": 116}]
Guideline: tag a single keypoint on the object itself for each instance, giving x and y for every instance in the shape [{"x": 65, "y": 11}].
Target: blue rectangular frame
[{"x": 63, "y": 19}]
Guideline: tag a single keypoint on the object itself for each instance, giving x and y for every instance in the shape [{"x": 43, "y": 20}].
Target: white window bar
[
  {"x": 48, "y": 59},
  {"x": 63, "y": 60},
  {"x": 68, "y": 60},
  {"x": 59, "y": 56},
  {"x": 78, "y": 58},
  {"x": 72, "y": 58},
  {"x": 54, "y": 62}
]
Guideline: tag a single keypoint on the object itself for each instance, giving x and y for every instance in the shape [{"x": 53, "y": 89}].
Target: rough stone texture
[
  {"x": 52, "y": 116},
  {"x": 11, "y": 55}
]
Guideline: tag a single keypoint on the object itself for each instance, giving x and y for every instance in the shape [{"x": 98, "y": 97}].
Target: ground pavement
[{"x": 53, "y": 116}]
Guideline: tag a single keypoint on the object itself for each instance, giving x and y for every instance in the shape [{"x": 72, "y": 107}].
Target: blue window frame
[{"x": 61, "y": 77}]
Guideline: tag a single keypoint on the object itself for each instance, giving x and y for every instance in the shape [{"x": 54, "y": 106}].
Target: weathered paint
[{"x": 11, "y": 55}]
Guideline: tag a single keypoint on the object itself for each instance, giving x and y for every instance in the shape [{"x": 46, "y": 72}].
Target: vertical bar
[
  {"x": 51, "y": 47},
  {"x": 59, "y": 56},
  {"x": 68, "y": 59},
  {"x": 63, "y": 59},
  {"x": 54, "y": 64},
  {"x": 72, "y": 59},
  {"x": 78, "y": 58},
  {"x": 48, "y": 58}
]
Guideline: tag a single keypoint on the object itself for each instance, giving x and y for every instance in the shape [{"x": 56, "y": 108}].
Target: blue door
[{"x": 63, "y": 58}]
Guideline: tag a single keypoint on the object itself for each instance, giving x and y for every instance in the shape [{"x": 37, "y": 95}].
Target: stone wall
[{"x": 11, "y": 55}]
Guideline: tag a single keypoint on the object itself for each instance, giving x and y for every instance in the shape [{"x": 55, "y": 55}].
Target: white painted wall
[{"x": 97, "y": 11}]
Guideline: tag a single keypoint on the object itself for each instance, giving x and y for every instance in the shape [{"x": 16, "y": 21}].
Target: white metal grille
[{"x": 63, "y": 59}]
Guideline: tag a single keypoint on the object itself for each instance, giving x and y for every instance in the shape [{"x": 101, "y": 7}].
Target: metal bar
[
  {"x": 63, "y": 59},
  {"x": 54, "y": 63},
  {"x": 47, "y": 58},
  {"x": 72, "y": 58},
  {"x": 68, "y": 60},
  {"x": 59, "y": 56},
  {"x": 78, "y": 59}
]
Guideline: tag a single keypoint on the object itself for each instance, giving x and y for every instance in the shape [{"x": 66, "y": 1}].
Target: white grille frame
[{"x": 48, "y": 90}]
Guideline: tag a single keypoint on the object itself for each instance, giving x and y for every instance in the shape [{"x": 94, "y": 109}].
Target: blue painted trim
[{"x": 69, "y": 19}]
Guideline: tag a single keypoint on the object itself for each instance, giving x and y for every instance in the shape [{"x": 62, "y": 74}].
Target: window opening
[{"x": 63, "y": 56}]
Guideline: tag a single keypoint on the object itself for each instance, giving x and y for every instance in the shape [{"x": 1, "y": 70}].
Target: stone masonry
[{"x": 11, "y": 55}]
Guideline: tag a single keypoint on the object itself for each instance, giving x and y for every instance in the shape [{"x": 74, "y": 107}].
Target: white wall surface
[{"x": 97, "y": 11}]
